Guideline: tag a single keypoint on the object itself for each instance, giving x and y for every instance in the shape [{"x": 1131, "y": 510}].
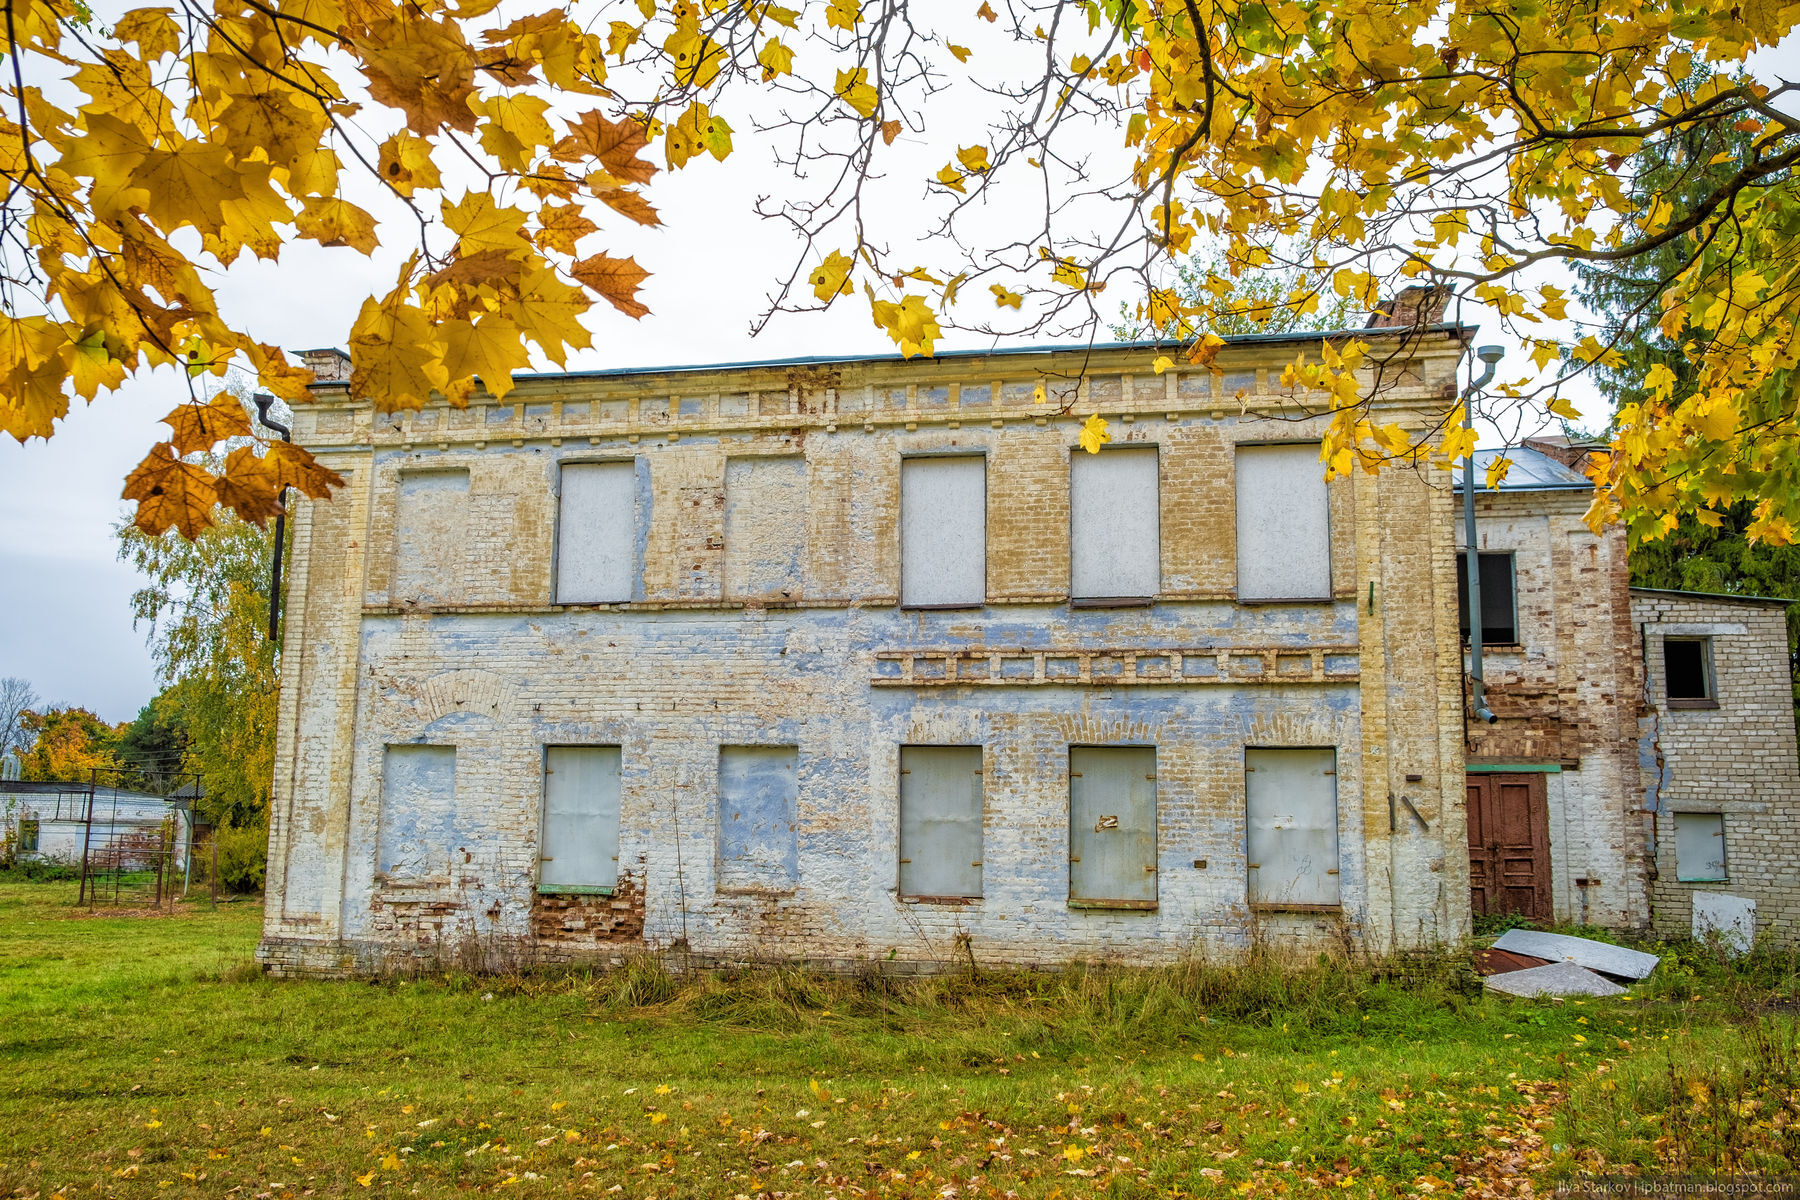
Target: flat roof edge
[{"x": 1726, "y": 597}]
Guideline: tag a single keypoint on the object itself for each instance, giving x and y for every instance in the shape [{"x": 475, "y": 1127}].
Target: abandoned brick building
[
  {"x": 1644, "y": 747},
  {"x": 865, "y": 659}
]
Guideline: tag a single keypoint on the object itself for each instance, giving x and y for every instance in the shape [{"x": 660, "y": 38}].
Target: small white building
[{"x": 53, "y": 820}]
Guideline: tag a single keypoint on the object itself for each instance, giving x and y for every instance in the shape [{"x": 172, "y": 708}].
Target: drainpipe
[
  {"x": 262, "y": 415},
  {"x": 1489, "y": 355}
]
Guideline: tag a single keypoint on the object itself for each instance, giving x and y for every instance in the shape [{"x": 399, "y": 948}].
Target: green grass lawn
[{"x": 145, "y": 1056}]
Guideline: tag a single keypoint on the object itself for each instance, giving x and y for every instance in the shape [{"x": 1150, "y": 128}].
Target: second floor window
[
  {"x": 596, "y": 540},
  {"x": 1283, "y": 524},
  {"x": 1115, "y": 526},
  {"x": 1499, "y": 616},
  {"x": 1687, "y": 671},
  {"x": 943, "y": 532}
]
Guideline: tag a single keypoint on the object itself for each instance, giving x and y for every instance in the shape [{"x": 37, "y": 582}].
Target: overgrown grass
[{"x": 147, "y": 1057}]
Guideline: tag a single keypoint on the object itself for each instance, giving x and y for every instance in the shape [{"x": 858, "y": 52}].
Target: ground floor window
[
  {"x": 1112, "y": 826},
  {"x": 940, "y": 822},
  {"x": 1292, "y": 834},
  {"x": 1700, "y": 847},
  {"x": 759, "y": 788},
  {"x": 579, "y": 846}
]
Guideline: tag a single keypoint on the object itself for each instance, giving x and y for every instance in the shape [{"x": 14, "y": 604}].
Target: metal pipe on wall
[{"x": 1490, "y": 356}]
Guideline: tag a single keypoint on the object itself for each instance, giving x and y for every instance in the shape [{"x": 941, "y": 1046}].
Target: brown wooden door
[{"x": 1509, "y": 845}]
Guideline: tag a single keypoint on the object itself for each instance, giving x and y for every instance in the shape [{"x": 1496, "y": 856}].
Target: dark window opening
[
  {"x": 1499, "y": 622},
  {"x": 1685, "y": 669}
]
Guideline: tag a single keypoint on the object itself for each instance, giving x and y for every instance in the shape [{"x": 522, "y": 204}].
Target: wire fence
[{"x": 139, "y": 846}]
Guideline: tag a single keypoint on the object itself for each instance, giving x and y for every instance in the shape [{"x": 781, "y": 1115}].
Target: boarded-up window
[
  {"x": 943, "y": 532},
  {"x": 1115, "y": 542},
  {"x": 417, "y": 833},
  {"x": 940, "y": 821},
  {"x": 1700, "y": 847},
  {"x": 1283, "y": 525},
  {"x": 1292, "y": 840},
  {"x": 758, "y": 789},
  {"x": 1112, "y": 826},
  {"x": 765, "y": 527},
  {"x": 596, "y": 548},
  {"x": 431, "y": 525},
  {"x": 1499, "y": 622},
  {"x": 580, "y": 847}
]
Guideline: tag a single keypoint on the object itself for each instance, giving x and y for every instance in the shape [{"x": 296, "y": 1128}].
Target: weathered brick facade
[
  {"x": 1566, "y": 695},
  {"x": 1734, "y": 756},
  {"x": 446, "y": 632}
]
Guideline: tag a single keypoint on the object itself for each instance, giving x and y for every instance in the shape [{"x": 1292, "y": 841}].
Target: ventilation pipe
[
  {"x": 263, "y": 402},
  {"x": 1490, "y": 356}
]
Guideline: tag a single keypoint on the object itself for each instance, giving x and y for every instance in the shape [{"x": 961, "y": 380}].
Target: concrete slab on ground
[
  {"x": 1584, "y": 952},
  {"x": 1557, "y": 979}
]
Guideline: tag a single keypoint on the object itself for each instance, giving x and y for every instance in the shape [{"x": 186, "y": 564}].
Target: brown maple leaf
[
  {"x": 200, "y": 427},
  {"x": 249, "y": 486},
  {"x": 170, "y": 493},
  {"x": 617, "y": 279}
]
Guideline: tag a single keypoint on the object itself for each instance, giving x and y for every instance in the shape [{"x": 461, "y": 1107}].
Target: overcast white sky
[{"x": 65, "y": 619}]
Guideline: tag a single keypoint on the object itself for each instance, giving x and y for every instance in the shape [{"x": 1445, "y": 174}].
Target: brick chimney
[
  {"x": 328, "y": 365},
  {"x": 1573, "y": 455},
  {"x": 1414, "y": 308}
]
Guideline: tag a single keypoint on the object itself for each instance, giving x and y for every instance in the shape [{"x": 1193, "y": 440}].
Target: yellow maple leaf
[
  {"x": 1004, "y": 298},
  {"x": 831, "y": 278},
  {"x": 1163, "y": 362},
  {"x": 986, "y": 12},
  {"x": 843, "y": 14},
  {"x": 366, "y": 1180},
  {"x": 776, "y": 59},
  {"x": 854, "y": 88},
  {"x": 480, "y": 224},
  {"x": 1560, "y": 406},
  {"x": 1094, "y": 434},
  {"x": 951, "y": 178},
  {"x": 973, "y": 158},
  {"x": 911, "y": 323},
  {"x": 960, "y": 52}
]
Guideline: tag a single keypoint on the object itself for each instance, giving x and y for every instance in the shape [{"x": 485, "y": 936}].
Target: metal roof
[
  {"x": 816, "y": 360},
  {"x": 1531, "y": 471}
]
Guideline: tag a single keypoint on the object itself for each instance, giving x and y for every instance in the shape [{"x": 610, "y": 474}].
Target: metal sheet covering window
[
  {"x": 1112, "y": 826},
  {"x": 943, "y": 532},
  {"x": 765, "y": 527},
  {"x": 431, "y": 515},
  {"x": 1115, "y": 525},
  {"x": 579, "y": 850},
  {"x": 1283, "y": 524},
  {"x": 1700, "y": 847},
  {"x": 416, "y": 830},
  {"x": 596, "y": 533},
  {"x": 940, "y": 821},
  {"x": 759, "y": 787},
  {"x": 1292, "y": 842}
]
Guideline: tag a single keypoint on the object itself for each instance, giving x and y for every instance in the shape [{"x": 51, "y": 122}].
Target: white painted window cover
[
  {"x": 943, "y": 531},
  {"x": 1283, "y": 523},
  {"x": 1112, "y": 827},
  {"x": 940, "y": 822},
  {"x": 1115, "y": 525},
  {"x": 1700, "y": 847},
  {"x": 596, "y": 539},
  {"x": 578, "y": 849},
  {"x": 1291, "y": 842}
]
